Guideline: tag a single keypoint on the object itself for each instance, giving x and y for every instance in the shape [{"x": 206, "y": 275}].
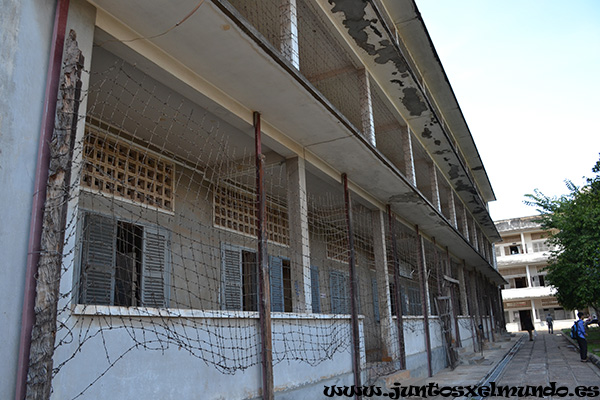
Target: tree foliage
[{"x": 574, "y": 268}]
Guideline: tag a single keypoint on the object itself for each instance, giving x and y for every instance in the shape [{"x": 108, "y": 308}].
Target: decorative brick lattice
[
  {"x": 123, "y": 170},
  {"x": 236, "y": 210}
]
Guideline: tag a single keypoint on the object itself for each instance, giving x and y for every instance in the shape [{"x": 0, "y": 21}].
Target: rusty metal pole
[
  {"x": 397, "y": 294},
  {"x": 423, "y": 281},
  {"x": 353, "y": 288},
  {"x": 264, "y": 290}
]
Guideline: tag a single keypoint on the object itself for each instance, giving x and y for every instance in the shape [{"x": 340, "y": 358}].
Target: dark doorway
[{"x": 523, "y": 316}]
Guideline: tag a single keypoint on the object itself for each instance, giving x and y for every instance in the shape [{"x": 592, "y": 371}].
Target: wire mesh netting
[{"x": 161, "y": 250}]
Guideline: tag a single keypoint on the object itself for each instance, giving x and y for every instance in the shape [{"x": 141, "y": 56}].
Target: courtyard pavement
[{"x": 516, "y": 361}]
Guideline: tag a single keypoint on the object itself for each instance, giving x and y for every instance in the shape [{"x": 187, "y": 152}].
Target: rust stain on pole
[
  {"x": 264, "y": 290},
  {"x": 353, "y": 288},
  {"x": 423, "y": 281},
  {"x": 397, "y": 298}
]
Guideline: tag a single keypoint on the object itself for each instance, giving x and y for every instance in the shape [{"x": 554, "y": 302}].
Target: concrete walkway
[
  {"x": 550, "y": 358},
  {"x": 516, "y": 361}
]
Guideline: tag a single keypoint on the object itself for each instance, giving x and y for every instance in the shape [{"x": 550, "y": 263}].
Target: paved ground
[{"x": 549, "y": 358}]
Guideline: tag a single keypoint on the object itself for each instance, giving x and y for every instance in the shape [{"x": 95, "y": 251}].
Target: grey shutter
[
  {"x": 155, "y": 256},
  {"x": 338, "y": 282},
  {"x": 375, "y": 299},
  {"x": 276, "y": 279},
  {"x": 314, "y": 289},
  {"x": 98, "y": 261},
  {"x": 231, "y": 277}
]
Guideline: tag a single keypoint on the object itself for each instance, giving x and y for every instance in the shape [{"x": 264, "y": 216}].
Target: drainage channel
[{"x": 497, "y": 371}]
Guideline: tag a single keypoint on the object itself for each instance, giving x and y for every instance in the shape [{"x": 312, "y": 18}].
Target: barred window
[{"x": 121, "y": 169}]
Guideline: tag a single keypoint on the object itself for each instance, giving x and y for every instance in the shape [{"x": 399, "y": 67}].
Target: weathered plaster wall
[{"x": 26, "y": 29}]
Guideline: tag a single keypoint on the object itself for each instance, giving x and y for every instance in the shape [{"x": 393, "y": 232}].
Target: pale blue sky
[{"x": 526, "y": 76}]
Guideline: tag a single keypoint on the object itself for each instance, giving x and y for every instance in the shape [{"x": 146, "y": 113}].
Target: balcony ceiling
[{"x": 234, "y": 74}]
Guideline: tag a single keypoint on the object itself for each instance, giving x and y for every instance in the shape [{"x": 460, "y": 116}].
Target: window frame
[{"x": 76, "y": 299}]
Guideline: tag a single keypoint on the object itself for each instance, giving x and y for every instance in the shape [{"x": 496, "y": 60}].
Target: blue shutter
[
  {"x": 375, "y": 299},
  {"x": 276, "y": 279},
  {"x": 98, "y": 262},
  {"x": 155, "y": 263},
  {"x": 314, "y": 289},
  {"x": 231, "y": 277}
]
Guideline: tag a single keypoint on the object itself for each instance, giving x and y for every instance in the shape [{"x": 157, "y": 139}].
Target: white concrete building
[
  {"x": 378, "y": 256},
  {"x": 522, "y": 256}
]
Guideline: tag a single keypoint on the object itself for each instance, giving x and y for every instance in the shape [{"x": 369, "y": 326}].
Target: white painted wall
[
  {"x": 171, "y": 364},
  {"x": 25, "y": 34}
]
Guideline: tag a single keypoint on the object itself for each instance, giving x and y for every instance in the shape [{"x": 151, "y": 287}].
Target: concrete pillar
[
  {"x": 523, "y": 244},
  {"x": 299, "y": 239},
  {"x": 462, "y": 290},
  {"x": 289, "y": 32},
  {"x": 466, "y": 224},
  {"x": 409, "y": 159},
  {"x": 533, "y": 317},
  {"x": 435, "y": 189},
  {"x": 528, "y": 273},
  {"x": 366, "y": 106},
  {"x": 383, "y": 283},
  {"x": 474, "y": 241},
  {"x": 452, "y": 208},
  {"x": 81, "y": 20}
]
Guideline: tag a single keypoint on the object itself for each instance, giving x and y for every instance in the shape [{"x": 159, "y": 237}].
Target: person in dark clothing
[
  {"x": 581, "y": 337},
  {"x": 550, "y": 321},
  {"x": 527, "y": 325}
]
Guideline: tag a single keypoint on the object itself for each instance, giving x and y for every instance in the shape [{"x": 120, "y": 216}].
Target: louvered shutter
[
  {"x": 314, "y": 289},
  {"x": 231, "y": 277},
  {"x": 375, "y": 299},
  {"x": 339, "y": 293},
  {"x": 276, "y": 279},
  {"x": 98, "y": 261},
  {"x": 155, "y": 266}
]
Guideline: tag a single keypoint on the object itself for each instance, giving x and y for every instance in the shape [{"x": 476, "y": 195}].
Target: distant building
[{"x": 522, "y": 256}]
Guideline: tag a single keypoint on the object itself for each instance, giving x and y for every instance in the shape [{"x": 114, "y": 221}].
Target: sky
[{"x": 526, "y": 75}]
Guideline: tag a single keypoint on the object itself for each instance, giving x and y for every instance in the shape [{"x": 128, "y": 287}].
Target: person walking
[
  {"x": 581, "y": 337},
  {"x": 527, "y": 325},
  {"x": 549, "y": 321}
]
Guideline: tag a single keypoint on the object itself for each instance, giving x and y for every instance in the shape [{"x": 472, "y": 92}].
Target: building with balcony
[
  {"x": 263, "y": 198},
  {"x": 521, "y": 257}
]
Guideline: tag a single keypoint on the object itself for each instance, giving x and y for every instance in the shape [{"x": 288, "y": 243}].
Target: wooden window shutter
[
  {"x": 314, "y": 289},
  {"x": 98, "y": 262},
  {"x": 339, "y": 292},
  {"x": 276, "y": 279},
  {"x": 231, "y": 277},
  {"x": 155, "y": 267}
]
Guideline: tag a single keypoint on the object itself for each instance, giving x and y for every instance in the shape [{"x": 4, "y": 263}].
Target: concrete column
[
  {"x": 462, "y": 290},
  {"x": 289, "y": 32},
  {"x": 523, "y": 244},
  {"x": 427, "y": 304},
  {"x": 383, "y": 283},
  {"x": 409, "y": 159},
  {"x": 435, "y": 189},
  {"x": 81, "y": 20},
  {"x": 452, "y": 207},
  {"x": 474, "y": 241},
  {"x": 366, "y": 106},
  {"x": 529, "y": 283},
  {"x": 299, "y": 239},
  {"x": 466, "y": 224},
  {"x": 533, "y": 317}
]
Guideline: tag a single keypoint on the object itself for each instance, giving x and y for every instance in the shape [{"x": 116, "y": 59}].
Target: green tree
[{"x": 574, "y": 268}]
